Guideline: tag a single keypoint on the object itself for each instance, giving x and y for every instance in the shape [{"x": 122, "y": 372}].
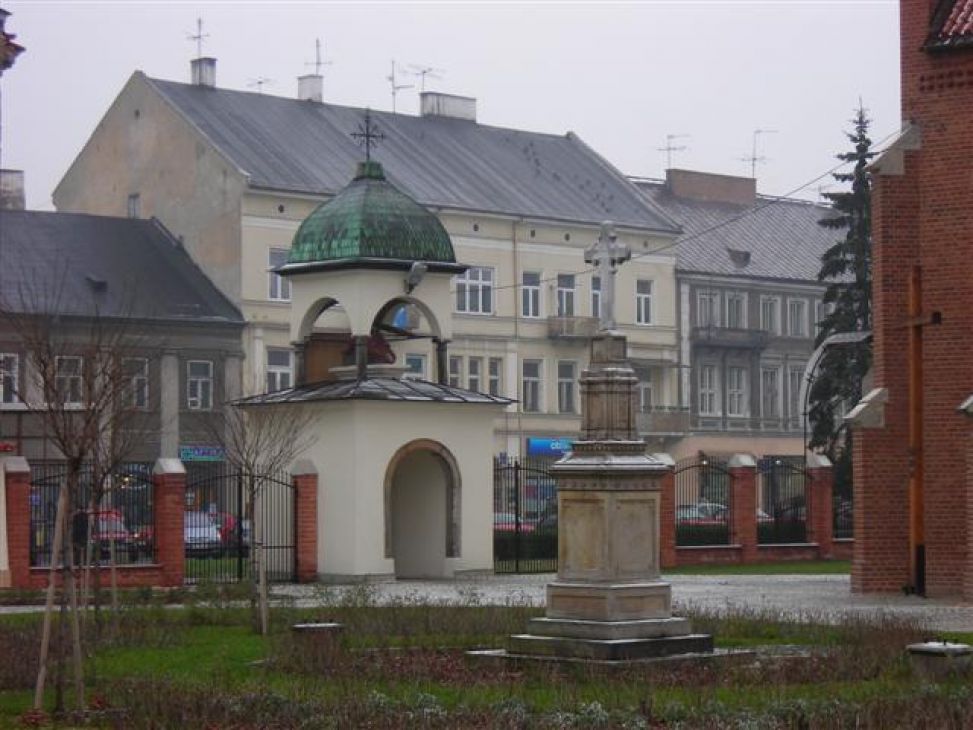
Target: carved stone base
[
  {"x": 573, "y": 629},
  {"x": 610, "y": 649},
  {"x": 610, "y": 601}
]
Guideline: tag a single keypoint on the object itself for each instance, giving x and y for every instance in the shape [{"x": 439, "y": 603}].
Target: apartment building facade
[{"x": 233, "y": 174}]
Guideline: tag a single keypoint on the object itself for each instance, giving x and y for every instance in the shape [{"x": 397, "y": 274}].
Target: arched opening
[
  {"x": 422, "y": 491},
  {"x": 412, "y": 332}
]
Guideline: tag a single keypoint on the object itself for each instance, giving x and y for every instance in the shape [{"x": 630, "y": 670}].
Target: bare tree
[
  {"x": 260, "y": 441},
  {"x": 76, "y": 384}
]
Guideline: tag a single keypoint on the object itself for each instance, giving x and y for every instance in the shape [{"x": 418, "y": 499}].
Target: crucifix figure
[
  {"x": 607, "y": 255},
  {"x": 366, "y": 133}
]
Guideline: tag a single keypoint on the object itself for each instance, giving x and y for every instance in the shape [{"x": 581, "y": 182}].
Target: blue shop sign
[
  {"x": 548, "y": 446},
  {"x": 196, "y": 452}
]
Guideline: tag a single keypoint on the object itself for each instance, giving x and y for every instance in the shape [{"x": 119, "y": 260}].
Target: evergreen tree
[{"x": 847, "y": 268}]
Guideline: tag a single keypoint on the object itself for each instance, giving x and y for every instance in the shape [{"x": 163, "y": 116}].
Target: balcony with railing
[
  {"x": 572, "y": 328},
  {"x": 663, "y": 421},
  {"x": 714, "y": 336}
]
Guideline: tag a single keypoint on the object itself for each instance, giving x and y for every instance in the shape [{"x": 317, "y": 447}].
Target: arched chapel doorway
[{"x": 422, "y": 489}]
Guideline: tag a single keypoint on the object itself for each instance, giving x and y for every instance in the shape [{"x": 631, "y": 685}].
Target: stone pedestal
[{"x": 609, "y": 601}]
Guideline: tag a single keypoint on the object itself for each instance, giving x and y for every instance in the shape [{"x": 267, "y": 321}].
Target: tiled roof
[
  {"x": 70, "y": 263},
  {"x": 952, "y": 25},
  {"x": 776, "y": 238},
  {"x": 376, "y": 388},
  {"x": 304, "y": 146}
]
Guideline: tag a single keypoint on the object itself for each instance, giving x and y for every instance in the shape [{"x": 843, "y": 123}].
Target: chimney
[
  {"x": 310, "y": 87},
  {"x": 203, "y": 72},
  {"x": 12, "y": 190},
  {"x": 434, "y": 104},
  {"x": 712, "y": 188}
]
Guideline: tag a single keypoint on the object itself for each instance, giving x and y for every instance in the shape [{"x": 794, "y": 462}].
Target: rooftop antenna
[
  {"x": 424, "y": 72},
  {"x": 396, "y": 88},
  {"x": 198, "y": 36},
  {"x": 754, "y": 158},
  {"x": 318, "y": 62},
  {"x": 670, "y": 147},
  {"x": 258, "y": 83},
  {"x": 367, "y": 132}
]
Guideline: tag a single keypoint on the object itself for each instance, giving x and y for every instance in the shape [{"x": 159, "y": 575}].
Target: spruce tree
[{"x": 847, "y": 268}]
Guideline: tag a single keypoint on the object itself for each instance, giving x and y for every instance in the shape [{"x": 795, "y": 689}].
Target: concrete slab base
[
  {"x": 511, "y": 657},
  {"x": 580, "y": 629},
  {"x": 610, "y": 649},
  {"x": 609, "y": 601}
]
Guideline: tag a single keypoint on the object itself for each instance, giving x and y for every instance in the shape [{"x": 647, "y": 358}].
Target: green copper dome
[{"x": 369, "y": 221}]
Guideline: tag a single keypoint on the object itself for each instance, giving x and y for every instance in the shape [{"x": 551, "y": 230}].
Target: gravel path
[{"x": 794, "y": 595}]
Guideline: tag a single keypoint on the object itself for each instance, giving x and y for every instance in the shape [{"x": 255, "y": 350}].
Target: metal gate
[
  {"x": 704, "y": 505},
  {"x": 783, "y": 513},
  {"x": 524, "y": 517},
  {"x": 118, "y": 527},
  {"x": 228, "y": 513}
]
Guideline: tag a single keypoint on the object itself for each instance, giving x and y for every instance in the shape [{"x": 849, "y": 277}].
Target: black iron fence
[
  {"x": 116, "y": 526},
  {"x": 524, "y": 516},
  {"x": 842, "y": 502},
  {"x": 703, "y": 500},
  {"x": 783, "y": 512},
  {"x": 228, "y": 513}
]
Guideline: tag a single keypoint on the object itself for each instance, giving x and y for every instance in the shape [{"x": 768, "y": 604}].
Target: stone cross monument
[
  {"x": 608, "y": 601},
  {"x": 607, "y": 254}
]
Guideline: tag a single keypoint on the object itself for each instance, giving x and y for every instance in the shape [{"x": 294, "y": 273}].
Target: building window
[
  {"x": 134, "y": 205},
  {"x": 136, "y": 374},
  {"x": 770, "y": 392},
  {"x": 643, "y": 301},
  {"x": 566, "y": 379},
  {"x": 770, "y": 314},
  {"x": 645, "y": 396},
  {"x": 736, "y": 391},
  {"x": 596, "y": 296},
  {"x": 474, "y": 290},
  {"x": 280, "y": 369},
  {"x": 280, "y": 286},
  {"x": 794, "y": 377},
  {"x": 531, "y": 386},
  {"x": 474, "y": 372},
  {"x": 708, "y": 391},
  {"x": 797, "y": 317},
  {"x": 565, "y": 295},
  {"x": 495, "y": 365},
  {"x": 9, "y": 373},
  {"x": 707, "y": 309},
  {"x": 736, "y": 310},
  {"x": 67, "y": 380},
  {"x": 530, "y": 294},
  {"x": 455, "y": 371},
  {"x": 199, "y": 385},
  {"x": 415, "y": 367}
]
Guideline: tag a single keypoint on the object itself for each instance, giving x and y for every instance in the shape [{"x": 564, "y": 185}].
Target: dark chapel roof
[
  {"x": 305, "y": 147},
  {"x": 375, "y": 388},
  {"x": 75, "y": 264}
]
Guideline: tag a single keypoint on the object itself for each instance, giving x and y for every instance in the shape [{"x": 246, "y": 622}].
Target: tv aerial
[
  {"x": 670, "y": 147},
  {"x": 259, "y": 83},
  {"x": 424, "y": 72},
  {"x": 396, "y": 88},
  {"x": 199, "y": 36},
  {"x": 754, "y": 159},
  {"x": 318, "y": 62}
]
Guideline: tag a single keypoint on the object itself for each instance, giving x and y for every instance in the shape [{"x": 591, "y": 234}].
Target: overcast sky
[{"x": 621, "y": 75}]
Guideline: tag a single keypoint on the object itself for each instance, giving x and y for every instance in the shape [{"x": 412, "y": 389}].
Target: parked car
[
  {"x": 107, "y": 527},
  {"x": 228, "y": 526},
  {"x": 507, "y": 522},
  {"x": 702, "y": 514},
  {"x": 201, "y": 536}
]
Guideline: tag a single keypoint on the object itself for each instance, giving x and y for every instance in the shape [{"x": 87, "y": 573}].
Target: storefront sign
[
  {"x": 198, "y": 452},
  {"x": 548, "y": 446}
]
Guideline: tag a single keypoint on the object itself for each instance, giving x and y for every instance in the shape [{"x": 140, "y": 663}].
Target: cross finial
[
  {"x": 367, "y": 132},
  {"x": 607, "y": 254},
  {"x": 198, "y": 37}
]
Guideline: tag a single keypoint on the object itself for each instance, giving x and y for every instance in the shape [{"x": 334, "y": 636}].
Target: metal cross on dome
[
  {"x": 367, "y": 132},
  {"x": 607, "y": 254}
]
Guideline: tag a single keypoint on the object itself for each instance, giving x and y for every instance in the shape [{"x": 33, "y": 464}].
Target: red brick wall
[
  {"x": 306, "y": 504},
  {"x": 743, "y": 531},
  {"x": 18, "y": 521},
  {"x": 922, "y": 218},
  {"x": 820, "y": 515},
  {"x": 170, "y": 508}
]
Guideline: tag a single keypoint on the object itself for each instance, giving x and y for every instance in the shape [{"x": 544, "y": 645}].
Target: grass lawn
[{"x": 405, "y": 666}]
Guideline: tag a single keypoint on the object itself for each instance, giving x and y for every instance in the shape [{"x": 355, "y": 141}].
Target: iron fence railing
[
  {"x": 524, "y": 516},
  {"x": 703, "y": 502},
  {"x": 783, "y": 513}
]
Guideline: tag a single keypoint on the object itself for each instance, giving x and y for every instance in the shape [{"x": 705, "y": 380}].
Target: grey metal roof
[
  {"x": 76, "y": 264},
  {"x": 304, "y": 146},
  {"x": 782, "y": 235},
  {"x": 374, "y": 388}
]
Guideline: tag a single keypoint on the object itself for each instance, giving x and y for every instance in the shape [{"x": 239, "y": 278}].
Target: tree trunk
[
  {"x": 56, "y": 549},
  {"x": 71, "y": 587}
]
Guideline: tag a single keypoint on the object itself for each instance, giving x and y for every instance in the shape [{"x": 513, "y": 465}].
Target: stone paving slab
[{"x": 820, "y": 596}]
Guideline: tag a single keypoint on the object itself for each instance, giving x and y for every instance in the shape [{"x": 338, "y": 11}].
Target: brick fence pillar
[
  {"x": 820, "y": 514},
  {"x": 743, "y": 501},
  {"x": 305, "y": 478},
  {"x": 17, "y": 503},
  {"x": 169, "y": 477},
  {"x": 967, "y": 577},
  {"x": 667, "y": 513}
]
